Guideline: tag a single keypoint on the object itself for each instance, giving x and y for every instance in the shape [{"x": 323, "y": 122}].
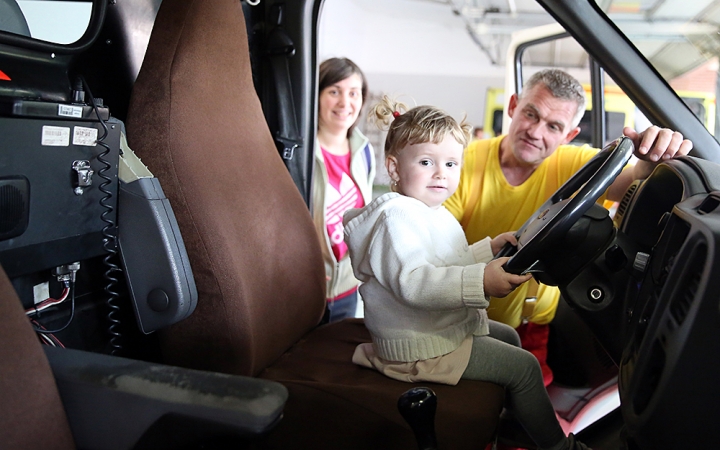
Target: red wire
[
  {"x": 51, "y": 336},
  {"x": 48, "y": 302}
]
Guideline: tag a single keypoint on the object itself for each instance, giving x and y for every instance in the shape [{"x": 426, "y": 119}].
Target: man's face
[{"x": 540, "y": 123}]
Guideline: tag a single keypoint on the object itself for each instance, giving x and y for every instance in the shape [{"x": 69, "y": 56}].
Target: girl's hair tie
[{"x": 396, "y": 114}]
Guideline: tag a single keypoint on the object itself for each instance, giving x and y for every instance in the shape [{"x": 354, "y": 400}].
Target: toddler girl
[{"x": 425, "y": 290}]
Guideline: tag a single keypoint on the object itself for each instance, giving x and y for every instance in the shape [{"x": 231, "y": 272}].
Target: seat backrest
[
  {"x": 28, "y": 393},
  {"x": 197, "y": 123}
]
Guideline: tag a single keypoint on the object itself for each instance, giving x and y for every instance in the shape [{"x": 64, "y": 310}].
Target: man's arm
[{"x": 652, "y": 147}]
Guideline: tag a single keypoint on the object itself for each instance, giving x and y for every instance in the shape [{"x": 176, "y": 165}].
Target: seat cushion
[{"x": 336, "y": 404}]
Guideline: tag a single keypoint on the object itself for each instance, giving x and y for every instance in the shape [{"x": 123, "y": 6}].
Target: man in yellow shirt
[{"x": 507, "y": 178}]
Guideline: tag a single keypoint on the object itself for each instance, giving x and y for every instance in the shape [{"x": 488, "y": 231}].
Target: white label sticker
[
  {"x": 85, "y": 136},
  {"x": 70, "y": 111},
  {"x": 41, "y": 292},
  {"x": 55, "y": 136}
]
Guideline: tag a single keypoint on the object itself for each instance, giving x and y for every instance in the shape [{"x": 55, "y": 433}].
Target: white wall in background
[{"x": 420, "y": 49}]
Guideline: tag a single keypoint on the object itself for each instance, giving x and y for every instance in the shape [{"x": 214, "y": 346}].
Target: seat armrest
[
  {"x": 149, "y": 237},
  {"x": 111, "y": 401}
]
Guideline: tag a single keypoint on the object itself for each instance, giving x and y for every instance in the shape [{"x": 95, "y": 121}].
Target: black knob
[
  {"x": 417, "y": 406},
  {"x": 615, "y": 258},
  {"x": 158, "y": 300}
]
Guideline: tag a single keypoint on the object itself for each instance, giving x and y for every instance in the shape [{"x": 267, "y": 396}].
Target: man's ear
[
  {"x": 512, "y": 104},
  {"x": 571, "y": 135},
  {"x": 391, "y": 166}
]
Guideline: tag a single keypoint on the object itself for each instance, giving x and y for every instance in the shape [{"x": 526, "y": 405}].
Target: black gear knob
[{"x": 417, "y": 406}]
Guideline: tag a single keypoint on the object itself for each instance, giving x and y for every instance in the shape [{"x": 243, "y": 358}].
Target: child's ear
[{"x": 391, "y": 166}]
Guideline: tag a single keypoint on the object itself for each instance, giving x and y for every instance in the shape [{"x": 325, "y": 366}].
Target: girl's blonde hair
[{"x": 418, "y": 125}]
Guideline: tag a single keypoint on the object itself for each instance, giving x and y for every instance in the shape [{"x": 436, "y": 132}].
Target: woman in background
[{"x": 343, "y": 176}]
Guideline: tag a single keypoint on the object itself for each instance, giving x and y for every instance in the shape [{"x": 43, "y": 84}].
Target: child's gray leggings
[{"x": 499, "y": 359}]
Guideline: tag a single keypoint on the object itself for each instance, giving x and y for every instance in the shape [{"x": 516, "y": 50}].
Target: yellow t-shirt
[{"x": 501, "y": 207}]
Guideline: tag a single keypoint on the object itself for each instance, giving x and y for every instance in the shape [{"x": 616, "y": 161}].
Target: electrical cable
[
  {"x": 50, "y": 301},
  {"x": 47, "y": 339},
  {"x": 44, "y": 339},
  {"x": 43, "y": 330},
  {"x": 109, "y": 232},
  {"x": 56, "y": 341}
]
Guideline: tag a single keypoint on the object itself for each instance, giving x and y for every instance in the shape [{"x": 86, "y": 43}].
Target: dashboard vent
[
  {"x": 681, "y": 305},
  {"x": 688, "y": 286},
  {"x": 709, "y": 205},
  {"x": 625, "y": 202}
]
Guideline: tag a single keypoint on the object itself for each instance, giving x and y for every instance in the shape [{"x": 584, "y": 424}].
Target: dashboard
[{"x": 651, "y": 298}]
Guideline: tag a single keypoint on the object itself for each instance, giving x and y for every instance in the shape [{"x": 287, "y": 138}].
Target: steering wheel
[{"x": 546, "y": 227}]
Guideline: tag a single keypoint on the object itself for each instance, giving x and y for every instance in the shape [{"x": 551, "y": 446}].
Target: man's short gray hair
[{"x": 562, "y": 86}]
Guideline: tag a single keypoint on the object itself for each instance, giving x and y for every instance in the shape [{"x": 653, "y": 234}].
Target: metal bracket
[
  {"x": 84, "y": 175},
  {"x": 288, "y": 146}
]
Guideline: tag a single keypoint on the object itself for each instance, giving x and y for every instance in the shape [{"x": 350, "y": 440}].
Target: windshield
[
  {"x": 59, "y": 22},
  {"x": 680, "y": 39}
]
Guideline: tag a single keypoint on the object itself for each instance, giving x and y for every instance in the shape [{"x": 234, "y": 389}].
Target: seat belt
[
  {"x": 530, "y": 302},
  {"x": 280, "y": 48}
]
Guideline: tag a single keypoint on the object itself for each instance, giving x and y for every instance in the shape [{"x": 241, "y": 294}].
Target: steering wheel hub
[{"x": 547, "y": 227}]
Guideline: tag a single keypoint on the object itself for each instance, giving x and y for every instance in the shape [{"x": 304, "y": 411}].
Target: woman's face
[{"x": 339, "y": 105}]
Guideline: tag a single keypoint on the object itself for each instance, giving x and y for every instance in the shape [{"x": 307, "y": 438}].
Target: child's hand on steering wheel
[
  {"x": 497, "y": 282},
  {"x": 499, "y": 241}
]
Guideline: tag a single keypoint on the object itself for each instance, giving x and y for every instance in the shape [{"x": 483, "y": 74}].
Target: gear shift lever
[{"x": 417, "y": 406}]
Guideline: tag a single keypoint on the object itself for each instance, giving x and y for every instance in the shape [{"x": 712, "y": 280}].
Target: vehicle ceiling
[{"x": 691, "y": 24}]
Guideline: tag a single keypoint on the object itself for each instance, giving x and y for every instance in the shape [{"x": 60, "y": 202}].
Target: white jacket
[
  {"x": 421, "y": 283},
  {"x": 340, "y": 278}
]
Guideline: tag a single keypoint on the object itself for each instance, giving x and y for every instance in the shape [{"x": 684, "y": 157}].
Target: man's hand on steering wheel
[{"x": 655, "y": 145}]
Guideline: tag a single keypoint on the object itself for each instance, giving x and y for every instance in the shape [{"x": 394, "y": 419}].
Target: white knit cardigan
[{"x": 421, "y": 283}]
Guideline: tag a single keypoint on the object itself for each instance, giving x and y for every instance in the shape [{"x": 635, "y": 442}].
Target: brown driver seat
[
  {"x": 197, "y": 123},
  {"x": 28, "y": 393}
]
